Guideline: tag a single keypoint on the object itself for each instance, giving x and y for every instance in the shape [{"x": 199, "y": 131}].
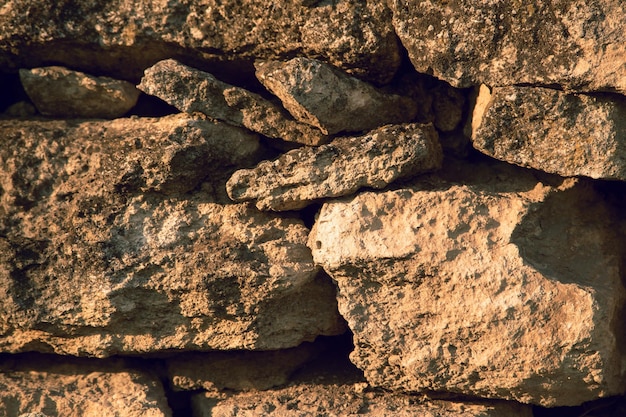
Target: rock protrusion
[
  {"x": 303, "y": 176},
  {"x": 320, "y": 95}
]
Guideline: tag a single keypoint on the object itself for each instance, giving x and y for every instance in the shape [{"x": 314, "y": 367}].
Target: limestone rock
[
  {"x": 578, "y": 45},
  {"x": 345, "y": 400},
  {"x": 553, "y": 131},
  {"x": 124, "y": 37},
  {"x": 303, "y": 176},
  {"x": 499, "y": 288},
  {"x": 317, "y": 94},
  {"x": 104, "y": 250},
  {"x": 192, "y": 90},
  {"x": 58, "y": 91},
  {"x": 77, "y": 390}
]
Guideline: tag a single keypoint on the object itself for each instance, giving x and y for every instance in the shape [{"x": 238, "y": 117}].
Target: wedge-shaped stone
[
  {"x": 58, "y": 91},
  {"x": 503, "y": 289},
  {"x": 303, "y": 176},
  {"x": 553, "y": 131},
  {"x": 317, "y": 94},
  {"x": 192, "y": 90},
  {"x": 577, "y": 44},
  {"x": 104, "y": 250}
]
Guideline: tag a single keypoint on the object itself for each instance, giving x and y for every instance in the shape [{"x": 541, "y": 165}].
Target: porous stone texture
[
  {"x": 125, "y": 37},
  {"x": 60, "y": 92},
  {"x": 345, "y": 400},
  {"x": 303, "y": 176},
  {"x": 578, "y": 45},
  {"x": 553, "y": 131},
  {"x": 317, "y": 94},
  {"x": 500, "y": 287},
  {"x": 78, "y": 390},
  {"x": 104, "y": 250},
  {"x": 191, "y": 90}
]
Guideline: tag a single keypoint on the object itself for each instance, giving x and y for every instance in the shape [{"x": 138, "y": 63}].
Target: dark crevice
[{"x": 12, "y": 90}]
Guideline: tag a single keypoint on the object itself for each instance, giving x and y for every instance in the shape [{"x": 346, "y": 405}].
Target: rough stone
[
  {"x": 553, "y": 131},
  {"x": 104, "y": 249},
  {"x": 76, "y": 390},
  {"x": 192, "y": 90},
  {"x": 317, "y": 94},
  {"x": 501, "y": 287},
  {"x": 58, "y": 91},
  {"x": 306, "y": 175},
  {"x": 578, "y": 45},
  {"x": 122, "y": 38},
  {"x": 345, "y": 400}
]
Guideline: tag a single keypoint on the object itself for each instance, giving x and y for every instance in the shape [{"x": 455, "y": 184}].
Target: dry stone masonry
[{"x": 312, "y": 208}]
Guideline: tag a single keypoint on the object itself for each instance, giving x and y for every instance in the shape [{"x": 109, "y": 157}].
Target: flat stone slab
[
  {"x": 306, "y": 175},
  {"x": 320, "y": 95},
  {"x": 191, "y": 90},
  {"x": 553, "y": 131},
  {"x": 499, "y": 288}
]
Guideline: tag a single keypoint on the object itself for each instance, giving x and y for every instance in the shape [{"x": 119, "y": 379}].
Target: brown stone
[{"x": 306, "y": 175}]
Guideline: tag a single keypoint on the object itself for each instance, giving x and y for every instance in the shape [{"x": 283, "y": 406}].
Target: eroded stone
[
  {"x": 303, "y": 176},
  {"x": 499, "y": 288}
]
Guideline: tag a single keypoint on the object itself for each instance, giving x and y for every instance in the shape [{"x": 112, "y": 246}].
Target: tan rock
[
  {"x": 553, "y": 131},
  {"x": 306, "y": 175},
  {"x": 317, "y": 94},
  {"x": 575, "y": 44},
  {"x": 58, "y": 91},
  {"x": 80, "y": 389},
  {"x": 191, "y": 90},
  {"x": 125, "y": 37},
  {"x": 501, "y": 288},
  {"x": 345, "y": 400},
  {"x": 104, "y": 251}
]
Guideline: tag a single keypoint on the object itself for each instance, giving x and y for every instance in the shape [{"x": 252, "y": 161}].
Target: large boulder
[
  {"x": 114, "y": 238},
  {"x": 501, "y": 287},
  {"x": 578, "y": 45}
]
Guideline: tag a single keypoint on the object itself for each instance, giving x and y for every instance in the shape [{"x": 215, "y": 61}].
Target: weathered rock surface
[
  {"x": 104, "y": 251},
  {"x": 58, "y": 91},
  {"x": 191, "y": 90},
  {"x": 553, "y": 131},
  {"x": 303, "y": 176},
  {"x": 317, "y": 94},
  {"x": 578, "y": 45},
  {"x": 499, "y": 288},
  {"x": 122, "y": 38},
  {"x": 77, "y": 390},
  {"x": 345, "y": 400}
]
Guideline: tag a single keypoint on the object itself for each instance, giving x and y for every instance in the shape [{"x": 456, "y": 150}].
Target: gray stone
[
  {"x": 58, "y": 91},
  {"x": 191, "y": 90},
  {"x": 553, "y": 131},
  {"x": 303, "y": 176},
  {"x": 501, "y": 287},
  {"x": 579, "y": 45},
  {"x": 317, "y": 94}
]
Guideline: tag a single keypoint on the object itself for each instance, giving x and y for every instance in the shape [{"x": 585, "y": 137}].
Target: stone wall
[{"x": 312, "y": 208}]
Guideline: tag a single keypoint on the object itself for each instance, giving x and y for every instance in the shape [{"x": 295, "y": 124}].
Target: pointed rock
[
  {"x": 191, "y": 90},
  {"x": 320, "y": 95},
  {"x": 306, "y": 175}
]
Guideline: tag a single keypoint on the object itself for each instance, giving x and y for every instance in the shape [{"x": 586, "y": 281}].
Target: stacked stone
[{"x": 307, "y": 183}]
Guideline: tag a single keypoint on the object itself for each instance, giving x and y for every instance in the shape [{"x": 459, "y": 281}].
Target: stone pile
[{"x": 312, "y": 208}]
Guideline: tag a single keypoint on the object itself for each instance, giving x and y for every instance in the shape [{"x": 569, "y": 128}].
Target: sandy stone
[
  {"x": 553, "y": 131},
  {"x": 501, "y": 287},
  {"x": 306, "y": 175},
  {"x": 192, "y": 90},
  {"x": 317, "y": 94},
  {"x": 58, "y": 91},
  {"x": 578, "y": 45},
  {"x": 77, "y": 390},
  {"x": 124, "y": 37},
  {"x": 104, "y": 250}
]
